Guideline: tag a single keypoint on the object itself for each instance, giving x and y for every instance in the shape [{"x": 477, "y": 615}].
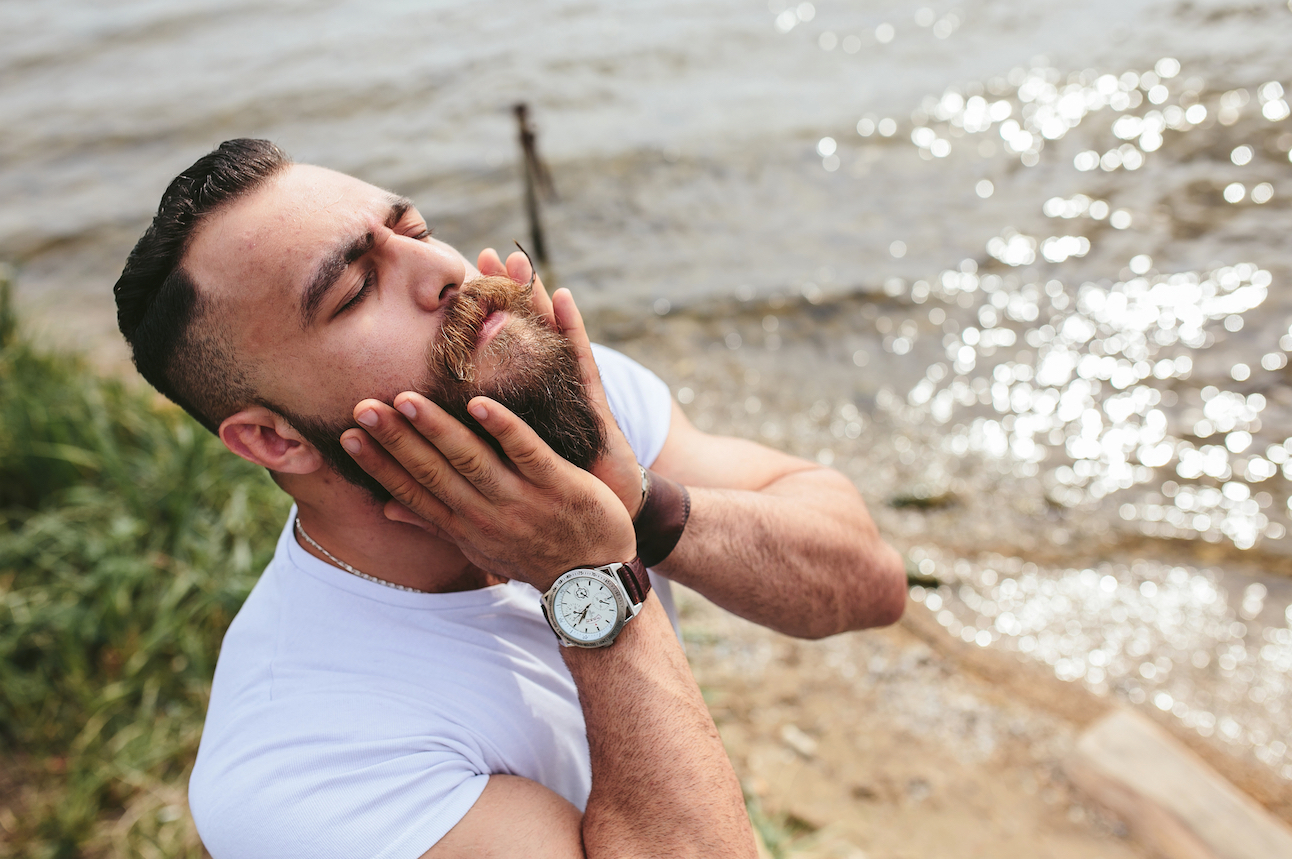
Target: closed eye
[{"x": 369, "y": 281}]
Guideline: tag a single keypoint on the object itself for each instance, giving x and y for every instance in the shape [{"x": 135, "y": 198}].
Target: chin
[
  {"x": 515, "y": 354},
  {"x": 533, "y": 371}
]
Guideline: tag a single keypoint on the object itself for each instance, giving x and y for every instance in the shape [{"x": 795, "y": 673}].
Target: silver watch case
[{"x": 625, "y": 608}]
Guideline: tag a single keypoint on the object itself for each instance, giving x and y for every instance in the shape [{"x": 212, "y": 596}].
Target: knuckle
[
  {"x": 474, "y": 467},
  {"x": 540, "y": 464},
  {"x": 484, "y": 526},
  {"x": 407, "y": 492},
  {"x": 466, "y": 462},
  {"x": 421, "y": 472},
  {"x": 424, "y": 474},
  {"x": 395, "y": 441},
  {"x": 525, "y": 453},
  {"x": 488, "y": 527}
]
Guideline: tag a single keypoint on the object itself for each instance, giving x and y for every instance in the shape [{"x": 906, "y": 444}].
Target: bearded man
[{"x": 456, "y": 649}]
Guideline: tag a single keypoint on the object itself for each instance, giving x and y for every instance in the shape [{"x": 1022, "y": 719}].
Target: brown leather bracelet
[
  {"x": 636, "y": 580},
  {"x": 662, "y": 518}
]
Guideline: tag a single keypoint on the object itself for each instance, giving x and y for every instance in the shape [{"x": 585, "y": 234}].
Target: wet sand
[
  {"x": 905, "y": 742},
  {"x": 878, "y": 745}
]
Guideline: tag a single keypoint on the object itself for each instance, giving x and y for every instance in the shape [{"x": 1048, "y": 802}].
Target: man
[{"x": 392, "y": 687}]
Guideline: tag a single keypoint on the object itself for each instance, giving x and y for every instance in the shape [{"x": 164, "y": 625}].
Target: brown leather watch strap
[
  {"x": 636, "y": 580},
  {"x": 660, "y": 522}
]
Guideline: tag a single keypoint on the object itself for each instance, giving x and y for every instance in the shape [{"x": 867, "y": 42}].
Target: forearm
[
  {"x": 800, "y": 555},
  {"x": 661, "y": 781}
]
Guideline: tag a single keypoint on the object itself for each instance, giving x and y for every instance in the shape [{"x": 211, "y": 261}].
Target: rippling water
[{"x": 1018, "y": 269}]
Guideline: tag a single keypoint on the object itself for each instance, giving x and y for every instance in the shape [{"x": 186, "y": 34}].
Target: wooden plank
[{"x": 1168, "y": 796}]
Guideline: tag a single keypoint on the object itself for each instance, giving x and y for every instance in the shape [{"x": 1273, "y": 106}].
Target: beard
[{"x": 531, "y": 369}]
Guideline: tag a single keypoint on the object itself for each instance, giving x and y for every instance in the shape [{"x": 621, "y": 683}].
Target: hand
[
  {"x": 530, "y": 517},
  {"x": 617, "y": 467}
]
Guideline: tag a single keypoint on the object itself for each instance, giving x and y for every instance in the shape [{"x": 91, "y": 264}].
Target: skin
[
  {"x": 661, "y": 781},
  {"x": 774, "y": 538}
]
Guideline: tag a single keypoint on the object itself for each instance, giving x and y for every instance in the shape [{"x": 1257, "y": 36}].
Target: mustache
[{"x": 452, "y": 350}]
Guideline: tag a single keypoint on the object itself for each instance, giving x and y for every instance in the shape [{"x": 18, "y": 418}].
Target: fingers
[
  {"x": 464, "y": 451},
  {"x": 569, "y": 321},
  {"x": 397, "y": 512},
  {"x": 489, "y": 263},
  {"x": 431, "y": 451},
  {"x": 519, "y": 270},
  {"x": 518, "y": 267},
  {"x": 617, "y": 467},
  {"x": 385, "y": 469},
  {"x": 531, "y": 456}
]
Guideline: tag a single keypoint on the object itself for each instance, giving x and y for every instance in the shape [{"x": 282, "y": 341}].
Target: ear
[{"x": 264, "y": 437}]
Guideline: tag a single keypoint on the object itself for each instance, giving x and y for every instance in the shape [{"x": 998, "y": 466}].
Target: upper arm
[
  {"x": 696, "y": 458},
  {"x": 514, "y": 817}
]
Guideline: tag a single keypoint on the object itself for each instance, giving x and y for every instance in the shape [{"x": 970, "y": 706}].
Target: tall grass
[{"x": 128, "y": 540}]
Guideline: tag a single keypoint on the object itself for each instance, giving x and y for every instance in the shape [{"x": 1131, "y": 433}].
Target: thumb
[
  {"x": 397, "y": 512},
  {"x": 569, "y": 321}
]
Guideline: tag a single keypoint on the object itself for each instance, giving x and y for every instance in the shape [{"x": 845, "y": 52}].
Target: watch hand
[{"x": 584, "y": 613}]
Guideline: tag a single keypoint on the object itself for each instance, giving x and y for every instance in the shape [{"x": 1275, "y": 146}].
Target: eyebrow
[{"x": 334, "y": 264}]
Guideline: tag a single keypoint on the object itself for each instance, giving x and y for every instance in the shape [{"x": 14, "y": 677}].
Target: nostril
[{"x": 445, "y": 290}]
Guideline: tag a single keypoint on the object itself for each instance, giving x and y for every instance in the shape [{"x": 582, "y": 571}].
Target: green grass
[{"x": 128, "y": 540}]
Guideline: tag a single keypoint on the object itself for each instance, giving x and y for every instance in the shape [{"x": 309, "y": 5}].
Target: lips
[
  {"x": 493, "y": 323},
  {"x": 472, "y": 317},
  {"x": 470, "y": 314}
]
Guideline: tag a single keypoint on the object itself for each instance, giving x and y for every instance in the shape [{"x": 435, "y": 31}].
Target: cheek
[
  {"x": 378, "y": 361},
  {"x": 329, "y": 381}
]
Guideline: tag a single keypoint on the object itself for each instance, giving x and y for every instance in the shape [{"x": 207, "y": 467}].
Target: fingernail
[
  {"x": 407, "y": 409},
  {"x": 368, "y": 418},
  {"x": 352, "y": 444},
  {"x": 478, "y": 411}
]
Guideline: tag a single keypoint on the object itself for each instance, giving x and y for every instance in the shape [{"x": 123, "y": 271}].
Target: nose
[{"x": 433, "y": 272}]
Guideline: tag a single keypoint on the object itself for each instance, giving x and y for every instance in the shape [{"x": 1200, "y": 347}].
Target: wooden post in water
[{"x": 537, "y": 181}]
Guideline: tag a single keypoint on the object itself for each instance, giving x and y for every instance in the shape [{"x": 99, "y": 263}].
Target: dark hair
[{"x": 160, "y": 310}]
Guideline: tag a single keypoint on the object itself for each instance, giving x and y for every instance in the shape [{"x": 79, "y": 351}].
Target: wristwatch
[{"x": 588, "y": 606}]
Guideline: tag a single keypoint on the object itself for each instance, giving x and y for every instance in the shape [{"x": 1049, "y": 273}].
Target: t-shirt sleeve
[
  {"x": 639, "y": 400},
  {"x": 326, "y": 788}
]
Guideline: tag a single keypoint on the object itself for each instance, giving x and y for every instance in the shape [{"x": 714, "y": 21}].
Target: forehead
[{"x": 266, "y": 244}]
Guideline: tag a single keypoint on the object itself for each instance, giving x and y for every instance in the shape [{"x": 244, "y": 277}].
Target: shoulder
[
  {"x": 323, "y": 791},
  {"x": 331, "y": 732},
  {"x": 297, "y": 760},
  {"x": 303, "y": 755}
]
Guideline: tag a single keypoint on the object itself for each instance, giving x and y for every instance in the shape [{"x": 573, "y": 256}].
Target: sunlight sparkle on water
[
  {"x": 1171, "y": 637},
  {"x": 1103, "y": 388}
]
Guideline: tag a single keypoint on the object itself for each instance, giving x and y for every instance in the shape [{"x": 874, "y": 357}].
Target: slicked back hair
[{"x": 181, "y": 350}]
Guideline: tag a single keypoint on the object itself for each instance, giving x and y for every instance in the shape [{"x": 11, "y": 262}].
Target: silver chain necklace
[{"x": 349, "y": 569}]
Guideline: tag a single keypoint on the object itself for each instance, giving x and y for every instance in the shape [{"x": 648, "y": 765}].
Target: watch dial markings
[{"x": 585, "y": 608}]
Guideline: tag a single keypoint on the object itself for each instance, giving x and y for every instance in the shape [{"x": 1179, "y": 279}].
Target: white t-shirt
[{"x": 349, "y": 719}]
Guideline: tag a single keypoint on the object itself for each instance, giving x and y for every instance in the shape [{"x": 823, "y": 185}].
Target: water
[{"x": 1019, "y": 269}]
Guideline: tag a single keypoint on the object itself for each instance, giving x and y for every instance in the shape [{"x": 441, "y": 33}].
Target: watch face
[{"x": 586, "y": 609}]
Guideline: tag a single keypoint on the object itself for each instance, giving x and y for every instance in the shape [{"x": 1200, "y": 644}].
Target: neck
[{"x": 349, "y": 524}]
